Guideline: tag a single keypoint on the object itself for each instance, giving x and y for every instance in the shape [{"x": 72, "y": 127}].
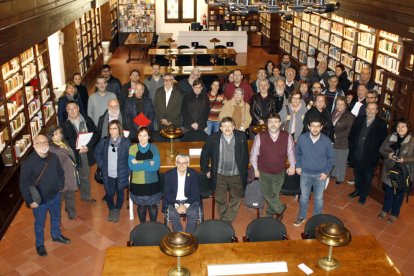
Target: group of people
[{"x": 311, "y": 124}]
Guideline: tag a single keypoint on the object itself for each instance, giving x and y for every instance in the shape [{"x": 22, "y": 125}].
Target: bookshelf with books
[
  {"x": 270, "y": 32},
  {"x": 24, "y": 80},
  {"x": 109, "y": 23},
  {"x": 133, "y": 15},
  {"x": 217, "y": 17}
]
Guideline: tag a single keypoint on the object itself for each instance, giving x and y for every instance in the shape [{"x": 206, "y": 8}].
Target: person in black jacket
[
  {"x": 319, "y": 110},
  {"x": 226, "y": 152},
  {"x": 261, "y": 75},
  {"x": 112, "y": 113},
  {"x": 343, "y": 82},
  {"x": 195, "y": 108},
  {"x": 43, "y": 169},
  {"x": 262, "y": 104},
  {"x": 365, "y": 139},
  {"x": 75, "y": 124},
  {"x": 82, "y": 90},
  {"x": 134, "y": 106},
  {"x": 112, "y": 84},
  {"x": 128, "y": 89}
]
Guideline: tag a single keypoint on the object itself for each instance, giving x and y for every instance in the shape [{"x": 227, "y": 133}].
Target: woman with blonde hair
[{"x": 237, "y": 109}]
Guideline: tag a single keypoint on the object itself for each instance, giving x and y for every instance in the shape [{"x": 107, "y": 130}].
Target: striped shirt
[{"x": 215, "y": 107}]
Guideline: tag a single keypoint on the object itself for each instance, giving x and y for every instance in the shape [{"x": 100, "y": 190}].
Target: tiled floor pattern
[{"x": 90, "y": 238}]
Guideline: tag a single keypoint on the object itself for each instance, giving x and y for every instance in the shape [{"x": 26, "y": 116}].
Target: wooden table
[
  {"x": 231, "y": 53},
  {"x": 205, "y": 70},
  {"x": 168, "y": 163},
  {"x": 133, "y": 43},
  {"x": 363, "y": 256}
]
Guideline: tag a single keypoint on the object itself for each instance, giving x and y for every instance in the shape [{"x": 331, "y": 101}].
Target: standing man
[
  {"x": 127, "y": 89},
  {"x": 228, "y": 156},
  {"x": 261, "y": 75},
  {"x": 196, "y": 109},
  {"x": 365, "y": 139},
  {"x": 82, "y": 90},
  {"x": 186, "y": 85},
  {"x": 167, "y": 104},
  {"x": 112, "y": 113},
  {"x": 238, "y": 83},
  {"x": 314, "y": 162},
  {"x": 291, "y": 83},
  {"x": 154, "y": 82},
  {"x": 364, "y": 78},
  {"x": 98, "y": 101},
  {"x": 358, "y": 104},
  {"x": 262, "y": 104},
  {"x": 268, "y": 157},
  {"x": 320, "y": 74},
  {"x": 113, "y": 84},
  {"x": 181, "y": 194},
  {"x": 303, "y": 74},
  {"x": 43, "y": 170},
  {"x": 285, "y": 64},
  {"x": 331, "y": 92},
  {"x": 71, "y": 128}
]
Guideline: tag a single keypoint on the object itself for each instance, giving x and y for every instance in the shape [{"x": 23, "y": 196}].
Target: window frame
[{"x": 180, "y": 18}]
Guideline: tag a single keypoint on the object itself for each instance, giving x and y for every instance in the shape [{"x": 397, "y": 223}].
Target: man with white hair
[
  {"x": 186, "y": 85},
  {"x": 112, "y": 113},
  {"x": 320, "y": 74},
  {"x": 181, "y": 194}
]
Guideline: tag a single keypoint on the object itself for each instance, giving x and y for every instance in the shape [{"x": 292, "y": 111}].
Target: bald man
[
  {"x": 43, "y": 170},
  {"x": 112, "y": 113}
]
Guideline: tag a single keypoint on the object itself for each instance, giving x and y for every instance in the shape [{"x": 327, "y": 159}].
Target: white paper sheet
[
  {"x": 195, "y": 152},
  {"x": 244, "y": 269},
  {"x": 355, "y": 109},
  {"x": 83, "y": 139}
]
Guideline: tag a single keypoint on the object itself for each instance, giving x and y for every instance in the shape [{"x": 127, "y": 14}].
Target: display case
[
  {"x": 25, "y": 110},
  {"x": 134, "y": 15}
]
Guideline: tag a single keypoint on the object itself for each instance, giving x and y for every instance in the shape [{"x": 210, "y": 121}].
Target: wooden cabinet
[
  {"x": 135, "y": 15},
  {"x": 26, "y": 109},
  {"x": 269, "y": 28},
  {"x": 249, "y": 23}
]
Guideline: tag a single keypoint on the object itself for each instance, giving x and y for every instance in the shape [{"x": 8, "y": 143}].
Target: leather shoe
[
  {"x": 279, "y": 216},
  {"x": 62, "y": 239},
  {"x": 41, "y": 250},
  {"x": 362, "y": 200},
  {"x": 353, "y": 194}
]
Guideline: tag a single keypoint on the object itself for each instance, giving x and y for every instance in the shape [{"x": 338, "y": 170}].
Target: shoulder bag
[{"x": 35, "y": 191}]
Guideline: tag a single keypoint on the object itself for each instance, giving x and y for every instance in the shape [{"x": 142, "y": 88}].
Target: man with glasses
[
  {"x": 98, "y": 101},
  {"x": 112, "y": 113},
  {"x": 224, "y": 159},
  {"x": 364, "y": 78},
  {"x": 261, "y": 75},
  {"x": 291, "y": 83},
  {"x": 113, "y": 84},
  {"x": 167, "y": 104},
  {"x": 43, "y": 170},
  {"x": 84, "y": 155},
  {"x": 181, "y": 194},
  {"x": 186, "y": 85},
  {"x": 127, "y": 90}
]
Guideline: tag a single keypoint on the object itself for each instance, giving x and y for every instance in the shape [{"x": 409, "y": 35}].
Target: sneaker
[
  {"x": 298, "y": 222},
  {"x": 382, "y": 215},
  {"x": 351, "y": 181},
  {"x": 110, "y": 215},
  {"x": 115, "y": 217}
]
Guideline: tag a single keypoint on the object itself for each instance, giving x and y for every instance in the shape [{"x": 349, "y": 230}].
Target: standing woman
[
  {"x": 237, "y": 109},
  {"x": 68, "y": 162},
  {"x": 269, "y": 65},
  {"x": 111, "y": 156},
  {"x": 292, "y": 115},
  {"x": 70, "y": 94},
  {"x": 144, "y": 161},
  {"x": 398, "y": 147},
  {"x": 216, "y": 104},
  {"x": 342, "y": 121}
]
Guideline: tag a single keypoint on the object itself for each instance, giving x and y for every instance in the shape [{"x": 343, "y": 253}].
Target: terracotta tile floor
[{"x": 85, "y": 255}]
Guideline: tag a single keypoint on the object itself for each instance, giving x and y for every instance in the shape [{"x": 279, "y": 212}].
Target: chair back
[
  {"x": 220, "y": 47},
  {"x": 317, "y": 220},
  {"x": 200, "y": 47},
  {"x": 214, "y": 231},
  {"x": 183, "y": 47},
  {"x": 291, "y": 185},
  {"x": 148, "y": 234},
  {"x": 265, "y": 229},
  {"x": 163, "y": 47}
]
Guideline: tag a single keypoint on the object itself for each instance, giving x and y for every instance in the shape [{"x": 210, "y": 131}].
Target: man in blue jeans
[
  {"x": 43, "y": 169},
  {"x": 314, "y": 161}
]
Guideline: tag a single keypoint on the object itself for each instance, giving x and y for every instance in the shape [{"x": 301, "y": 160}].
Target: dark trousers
[
  {"x": 363, "y": 179},
  {"x": 191, "y": 214},
  {"x": 40, "y": 214},
  {"x": 68, "y": 197},
  {"x": 110, "y": 190},
  {"x": 233, "y": 184},
  {"x": 392, "y": 202}
]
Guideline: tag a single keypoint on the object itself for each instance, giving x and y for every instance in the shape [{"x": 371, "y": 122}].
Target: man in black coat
[
  {"x": 365, "y": 139},
  {"x": 263, "y": 103},
  {"x": 226, "y": 152},
  {"x": 75, "y": 124},
  {"x": 128, "y": 89}
]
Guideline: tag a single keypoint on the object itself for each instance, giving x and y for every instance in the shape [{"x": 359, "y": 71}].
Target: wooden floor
[{"x": 90, "y": 238}]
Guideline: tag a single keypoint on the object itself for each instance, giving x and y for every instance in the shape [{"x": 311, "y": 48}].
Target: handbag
[
  {"x": 98, "y": 175},
  {"x": 35, "y": 191}
]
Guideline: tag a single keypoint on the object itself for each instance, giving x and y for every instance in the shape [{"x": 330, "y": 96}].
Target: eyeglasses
[
  {"x": 113, "y": 148},
  {"x": 42, "y": 143}
]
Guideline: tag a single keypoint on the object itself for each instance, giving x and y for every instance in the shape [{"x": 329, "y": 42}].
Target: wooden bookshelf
[
  {"x": 217, "y": 17},
  {"x": 109, "y": 23},
  {"x": 26, "y": 109},
  {"x": 270, "y": 32}
]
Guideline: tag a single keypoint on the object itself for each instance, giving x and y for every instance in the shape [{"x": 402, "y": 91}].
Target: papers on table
[
  {"x": 244, "y": 269},
  {"x": 188, "y": 69},
  {"x": 192, "y": 51},
  {"x": 83, "y": 139}
]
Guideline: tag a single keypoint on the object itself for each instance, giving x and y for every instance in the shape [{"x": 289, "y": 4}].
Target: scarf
[
  {"x": 335, "y": 116},
  {"x": 397, "y": 145}
]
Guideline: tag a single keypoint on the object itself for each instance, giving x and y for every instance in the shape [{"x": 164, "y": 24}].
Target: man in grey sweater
[
  {"x": 98, "y": 102},
  {"x": 154, "y": 82}
]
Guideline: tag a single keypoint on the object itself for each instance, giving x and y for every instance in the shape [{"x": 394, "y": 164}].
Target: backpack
[
  {"x": 400, "y": 178},
  {"x": 253, "y": 197}
]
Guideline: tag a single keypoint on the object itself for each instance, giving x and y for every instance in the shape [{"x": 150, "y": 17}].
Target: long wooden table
[
  {"x": 133, "y": 43},
  {"x": 363, "y": 256},
  {"x": 205, "y": 70},
  {"x": 231, "y": 53}
]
